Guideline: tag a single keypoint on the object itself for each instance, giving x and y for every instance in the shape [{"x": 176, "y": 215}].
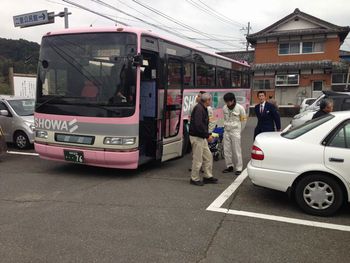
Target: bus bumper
[{"x": 109, "y": 159}]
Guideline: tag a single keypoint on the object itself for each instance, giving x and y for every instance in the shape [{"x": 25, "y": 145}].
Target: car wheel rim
[
  {"x": 21, "y": 141},
  {"x": 318, "y": 195}
]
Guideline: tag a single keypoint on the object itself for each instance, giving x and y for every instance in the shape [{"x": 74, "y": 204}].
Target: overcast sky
[{"x": 225, "y": 27}]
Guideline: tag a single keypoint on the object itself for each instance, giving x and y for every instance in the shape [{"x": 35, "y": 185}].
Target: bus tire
[{"x": 185, "y": 140}]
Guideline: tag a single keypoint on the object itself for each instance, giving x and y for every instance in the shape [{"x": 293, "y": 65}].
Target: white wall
[{"x": 24, "y": 86}]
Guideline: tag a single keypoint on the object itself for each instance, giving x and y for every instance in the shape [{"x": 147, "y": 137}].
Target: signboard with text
[
  {"x": 24, "y": 86},
  {"x": 33, "y": 19}
]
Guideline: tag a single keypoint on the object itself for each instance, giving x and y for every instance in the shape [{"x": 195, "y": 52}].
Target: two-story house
[{"x": 296, "y": 57}]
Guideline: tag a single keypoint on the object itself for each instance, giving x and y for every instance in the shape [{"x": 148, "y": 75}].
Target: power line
[
  {"x": 177, "y": 21},
  {"x": 146, "y": 22},
  {"x": 94, "y": 12},
  {"x": 229, "y": 19},
  {"x": 173, "y": 28},
  {"x": 145, "y": 15},
  {"x": 208, "y": 10}
]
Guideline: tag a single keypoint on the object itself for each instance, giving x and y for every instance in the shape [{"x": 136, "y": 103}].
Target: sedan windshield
[
  {"x": 23, "y": 107},
  {"x": 306, "y": 127},
  {"x": 88, "y": 70}
]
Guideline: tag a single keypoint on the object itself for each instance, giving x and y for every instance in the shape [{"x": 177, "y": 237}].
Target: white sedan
[{"x": 310, "y": 162}]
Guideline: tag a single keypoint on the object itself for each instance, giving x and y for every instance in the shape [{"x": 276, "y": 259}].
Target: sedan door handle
[{"x": 336, "y": 160}]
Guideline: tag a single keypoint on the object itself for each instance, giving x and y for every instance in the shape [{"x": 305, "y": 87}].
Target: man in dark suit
[{"x": 268, "y": 116}]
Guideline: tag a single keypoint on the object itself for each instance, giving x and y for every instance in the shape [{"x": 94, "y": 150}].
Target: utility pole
[
  {"x": 347, "y": 79},
  {"x": 247, "y": 29},
  {"x": 65, "y": 15}
]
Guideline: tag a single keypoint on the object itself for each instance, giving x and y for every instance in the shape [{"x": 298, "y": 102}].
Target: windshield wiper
[
  {"x": 59, "y": 97},
  {"x": 100, "y": 106}
]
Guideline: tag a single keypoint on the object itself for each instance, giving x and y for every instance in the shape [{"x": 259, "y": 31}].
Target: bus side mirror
[{"x": 139, "y": 61}]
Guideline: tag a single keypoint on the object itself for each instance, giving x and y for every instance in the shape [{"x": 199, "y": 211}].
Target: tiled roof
[
  {"x": 240, "y": 55},
  {"x": 321, "y": 64},
  {"x": 326, "y": 28}
]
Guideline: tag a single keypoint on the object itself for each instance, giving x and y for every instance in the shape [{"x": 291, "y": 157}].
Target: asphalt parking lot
[{"x": 58, "y": 212}]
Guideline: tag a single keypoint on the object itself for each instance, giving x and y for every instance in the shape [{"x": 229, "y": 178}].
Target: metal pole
[
  {"x": 248, "y": 30},
  {"x": 347, "y": 79},
  {"x": 65, "y": 17}
]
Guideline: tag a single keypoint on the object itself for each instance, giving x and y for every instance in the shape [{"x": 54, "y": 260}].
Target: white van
[{"x": 341, "y": 101}]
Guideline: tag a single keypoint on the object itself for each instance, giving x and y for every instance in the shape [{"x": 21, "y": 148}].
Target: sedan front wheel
[
  {"x": 319, "y": 194},
  {"x": 21, "y": 140}
]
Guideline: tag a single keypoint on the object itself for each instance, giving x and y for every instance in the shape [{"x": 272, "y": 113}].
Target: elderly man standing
[{"x": 199, "y": 137}]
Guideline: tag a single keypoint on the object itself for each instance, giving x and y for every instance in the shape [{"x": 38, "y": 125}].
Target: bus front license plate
[{"x": 74, "y": 156}]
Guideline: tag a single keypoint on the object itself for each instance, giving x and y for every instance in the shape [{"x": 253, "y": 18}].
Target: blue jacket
[{"x": 267, "y": 119}]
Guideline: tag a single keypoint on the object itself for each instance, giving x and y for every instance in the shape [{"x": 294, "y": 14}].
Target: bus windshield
[{"x": 88, "y": 74}]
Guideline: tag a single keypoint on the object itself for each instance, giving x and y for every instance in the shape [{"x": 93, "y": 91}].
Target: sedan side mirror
[{"x": 4, "y": 113}]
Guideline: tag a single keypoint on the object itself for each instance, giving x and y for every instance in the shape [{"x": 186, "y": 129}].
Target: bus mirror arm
[{"x": 138, "y": 60}]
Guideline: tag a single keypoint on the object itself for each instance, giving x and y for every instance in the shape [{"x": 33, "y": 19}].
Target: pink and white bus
[{"x": 120, "y": 97}]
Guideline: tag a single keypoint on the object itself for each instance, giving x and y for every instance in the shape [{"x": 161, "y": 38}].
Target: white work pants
[{"x": 232, "y": 149}]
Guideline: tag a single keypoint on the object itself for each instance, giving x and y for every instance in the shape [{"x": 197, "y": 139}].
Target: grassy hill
[{"x": 21, "y": 54}]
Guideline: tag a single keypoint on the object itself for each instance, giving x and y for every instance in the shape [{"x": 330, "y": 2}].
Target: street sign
[{"x": 33, "y": 19}]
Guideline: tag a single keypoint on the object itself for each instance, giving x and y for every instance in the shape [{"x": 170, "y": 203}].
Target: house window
[
  {"x": 260, "y": 84},
  {"x": 307, "y": 47},
  {"x": 289, "y": 48},
  {"x": 300, "y": 48},
  {"x": 339, "y": 78},
  {"x": 287, "y": 80},
  {"x": 317, "y": 85}
]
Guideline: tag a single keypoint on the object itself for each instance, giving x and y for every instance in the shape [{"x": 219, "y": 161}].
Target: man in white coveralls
[{"x": 235, "y": 120}]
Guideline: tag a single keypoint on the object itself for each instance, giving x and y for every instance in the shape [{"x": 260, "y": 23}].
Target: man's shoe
[
  {"x": 198, "y": 183},
  {"x": 238, "y": 172},
  {"x": 210, "y": 180},
  {"x": 228, "y": 170}
]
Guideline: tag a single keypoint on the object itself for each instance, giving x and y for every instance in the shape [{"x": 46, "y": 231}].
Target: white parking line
[
  {"x": 222, "y": 198},
  {"x": 23, "y": 153}
]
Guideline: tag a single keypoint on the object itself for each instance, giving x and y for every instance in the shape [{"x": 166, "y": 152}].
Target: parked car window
[
  {"x": 2, "y": 106},
  {"x": 306, "y": 127},
  {"x": 342, "y": 138},
  {"x": 310, "y": 101},
  {"x": 346, "y": 104},
  {"x": 23, "y": 107}
]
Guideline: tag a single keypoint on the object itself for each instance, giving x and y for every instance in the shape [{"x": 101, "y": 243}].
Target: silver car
[
  {"x": 3, "y": 146},
  {"x": 17, "y": 120}
]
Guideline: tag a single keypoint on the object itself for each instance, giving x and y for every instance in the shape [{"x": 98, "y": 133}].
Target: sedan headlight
[
  {"x": 41, "y": 134},
  {"x": 119, "y": 140}
]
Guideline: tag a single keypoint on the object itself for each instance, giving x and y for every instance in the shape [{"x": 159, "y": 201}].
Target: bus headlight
[
  {"x": 41, "y": 134},
  {"x": 129, "y": 141},
  {"x": 119, "y": 140}
]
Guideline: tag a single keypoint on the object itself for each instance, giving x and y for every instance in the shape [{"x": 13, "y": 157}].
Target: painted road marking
[
  {"x": 222, "y": 198},
  {"x": 23, "y": 153}
]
